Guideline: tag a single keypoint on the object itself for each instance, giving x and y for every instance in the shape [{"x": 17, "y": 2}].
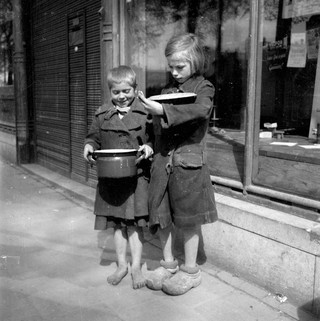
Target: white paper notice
[
  {"x": 283, "y": 144},
  {"x": 315, "y": 146},
  {"x": 313, "y": 40},
  {"x": 298, "y": 47},
  {"x": 305, "y": 7}
]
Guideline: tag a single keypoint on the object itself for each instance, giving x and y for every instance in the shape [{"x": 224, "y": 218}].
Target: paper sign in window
[{"x": 298, "y": 47}]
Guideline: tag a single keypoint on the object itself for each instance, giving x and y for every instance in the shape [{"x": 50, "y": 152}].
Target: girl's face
[
  {"x": 122, "y": 94},
  {"x": 179, "y": 67}
]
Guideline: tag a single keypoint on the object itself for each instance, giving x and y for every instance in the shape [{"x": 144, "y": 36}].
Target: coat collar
[
  {"x": 188, "y": 86},
  {"x": 130, "y": 121},
  {"x": 110, "y": 110}
]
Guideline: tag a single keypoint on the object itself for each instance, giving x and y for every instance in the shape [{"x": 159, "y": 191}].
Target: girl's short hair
[
  {"x": 190, "y": 47},
  {"x": 121, "y": 74}
]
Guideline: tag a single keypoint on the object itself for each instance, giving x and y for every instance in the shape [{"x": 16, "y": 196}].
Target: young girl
[
  {"x": 180, "y": 190},
  {"x": 121, "y": 202}
]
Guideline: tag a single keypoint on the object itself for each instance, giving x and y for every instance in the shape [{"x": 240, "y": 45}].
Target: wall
[{"x": 275, "y": 250}]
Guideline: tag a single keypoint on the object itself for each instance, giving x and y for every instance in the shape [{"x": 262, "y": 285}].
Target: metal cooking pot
[{"x": 116, "y": 163}]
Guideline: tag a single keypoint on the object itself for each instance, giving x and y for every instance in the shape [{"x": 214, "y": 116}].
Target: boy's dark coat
[{"x": 125, "y": 197}]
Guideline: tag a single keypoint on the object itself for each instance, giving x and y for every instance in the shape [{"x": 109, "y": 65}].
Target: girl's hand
[
  {"x": 153, "y": 107},
  {"x": 147, "y": 152},
  {"x": 87, "y": 153}
]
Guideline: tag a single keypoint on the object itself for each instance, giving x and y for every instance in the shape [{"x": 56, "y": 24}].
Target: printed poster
[
  {"x": 305, "y": 7},
  {"x": 298, "y": 46},
  {"x": 277, "y": 54},
  {"x": 298, "y": 8},
  {"x": 313, "y": 39},
  {"x": 315, "y": 113}
]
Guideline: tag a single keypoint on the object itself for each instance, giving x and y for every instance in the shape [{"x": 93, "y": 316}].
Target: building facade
[{"x": 264, "y": 139}]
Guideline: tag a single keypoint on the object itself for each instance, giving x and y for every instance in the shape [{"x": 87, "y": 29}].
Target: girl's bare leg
[
  {"x": 120, "y": 241},
  {"x": 135, "y": 237},
  {"x": 168, "y": 266},
  {"x": 191, "y": 242},
  {"x": 189, "y": 275},
  {"x": 166, "y": 239}
]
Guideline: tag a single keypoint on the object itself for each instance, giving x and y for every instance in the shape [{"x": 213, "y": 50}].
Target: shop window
[
  {"x": 7, "y": 106},
  {"x": 224, "y": 27},
  {"x": 289, "y": 115},
  {"x": 6, "y": 43}
]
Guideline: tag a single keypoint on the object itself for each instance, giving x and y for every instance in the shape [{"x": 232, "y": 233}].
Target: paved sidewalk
[{"x": 53, "y": 265}]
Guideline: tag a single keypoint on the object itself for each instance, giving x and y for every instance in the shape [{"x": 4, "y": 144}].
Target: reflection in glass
[
  {"x": 6, "y": 43},
  {"x": 223, "y": 26},
  {"x": 289, "y": 159},
  {"x": 291, "y": 36}
]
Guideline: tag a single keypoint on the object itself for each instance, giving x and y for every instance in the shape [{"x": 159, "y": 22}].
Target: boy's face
[
  {"x": 179, "y": 67},
  {"x": 122, "y": 94}
]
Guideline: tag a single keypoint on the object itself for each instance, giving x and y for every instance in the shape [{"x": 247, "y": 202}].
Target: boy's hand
[
  {"x": 146, "y": 151},
  {"x": 153, "y": 107},
  {"x": 87, "y": 153}
]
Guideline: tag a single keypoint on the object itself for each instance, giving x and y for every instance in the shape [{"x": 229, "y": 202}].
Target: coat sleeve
[
  {"x": 176, "y": 114},
  {"x": 93, "y": 136}
]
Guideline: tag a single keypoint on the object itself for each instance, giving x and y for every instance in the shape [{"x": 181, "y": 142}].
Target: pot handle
[
  {"x": 140, "y": 157},
  {"x": 93, "y": 155},
  {"x": 92, "y": 159}
]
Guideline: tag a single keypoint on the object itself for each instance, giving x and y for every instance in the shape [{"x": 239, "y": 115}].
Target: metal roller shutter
[
  {"x": 77, "y": 90},
  {"x": 50, "y": 84},
  {"x": 66, "y": 82},
  {"x": 93, "y": 72}
]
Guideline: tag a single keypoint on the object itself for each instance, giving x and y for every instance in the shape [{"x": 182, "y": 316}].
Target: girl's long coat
[
  {"x": 124, "y": 197},
  {"x": 180, "y": 139}
]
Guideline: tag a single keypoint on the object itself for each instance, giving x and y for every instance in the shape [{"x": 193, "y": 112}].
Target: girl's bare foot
[
  {"x": 138, "y": 280},
  {"x": 118, "y": 275}
]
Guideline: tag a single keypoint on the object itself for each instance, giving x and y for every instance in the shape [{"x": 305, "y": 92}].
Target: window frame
[
  {"x": 252, "y": 121},
  {"x": 252, "y": 125}
]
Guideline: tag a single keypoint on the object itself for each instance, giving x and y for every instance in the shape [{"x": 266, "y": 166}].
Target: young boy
[{"x": 121, "y": 203}]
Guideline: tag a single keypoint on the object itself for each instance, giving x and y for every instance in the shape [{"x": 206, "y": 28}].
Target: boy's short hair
[
  {"x": 121, "y": 74},
  {"x": 191, "y": 49}
]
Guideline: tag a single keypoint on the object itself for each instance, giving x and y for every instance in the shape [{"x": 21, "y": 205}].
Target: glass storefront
[
  {"x": 224, "y": 28},
  {"x": 152, "y": 23},
  {"x": 262, "y": 57},
  {"x": 291, "y": 33},
  {"x": 6, "y": 43},
  {"x": 289, "y": 157},
  {"x": 272, "y": 144},
  {"x": 7, "y": 104}
]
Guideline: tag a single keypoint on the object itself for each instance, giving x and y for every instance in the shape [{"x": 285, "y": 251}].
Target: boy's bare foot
[
  {"x": 118, "y": 275},
  {"x": 138, "y": 280}
]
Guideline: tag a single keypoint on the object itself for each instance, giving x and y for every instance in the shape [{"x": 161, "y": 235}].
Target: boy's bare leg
[
  {"x": 120, "y": 241},
  {"x": 136, "y": 243}
]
